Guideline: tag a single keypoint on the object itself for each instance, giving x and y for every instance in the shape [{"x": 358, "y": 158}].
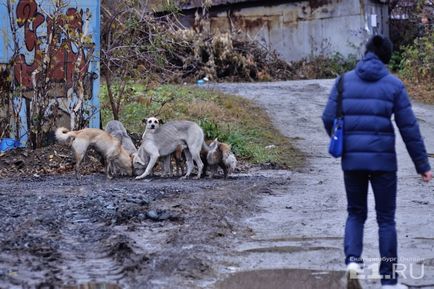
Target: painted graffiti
[
  {"x": 51, "y": 66},
  {"x": 66, "y": 59}
]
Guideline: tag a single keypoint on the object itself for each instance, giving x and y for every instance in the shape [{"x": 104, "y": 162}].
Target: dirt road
[
  {"x": 284, "y": 227},
  {"x": 309, "y": 212}
]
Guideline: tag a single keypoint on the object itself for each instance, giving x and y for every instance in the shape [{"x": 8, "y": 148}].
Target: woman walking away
[{"x": 370, "y": 96}]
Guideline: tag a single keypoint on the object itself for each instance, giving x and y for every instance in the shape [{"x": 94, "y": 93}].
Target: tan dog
[
  {"x": 220, "y": 154},
  {"x": 117, "y": 159}
]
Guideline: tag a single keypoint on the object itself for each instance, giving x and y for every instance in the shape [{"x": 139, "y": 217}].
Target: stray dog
[
  {"x": 220, "y": 154},
  {"x": 141, "y": 159},
  {"x": 117, "y": 159},
  {"x": 163, "y": 140},
  {"x": 116, "y": 129}
]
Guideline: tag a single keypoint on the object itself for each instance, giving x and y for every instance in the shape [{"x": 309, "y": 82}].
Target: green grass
[{"x": 229, "y": 118}]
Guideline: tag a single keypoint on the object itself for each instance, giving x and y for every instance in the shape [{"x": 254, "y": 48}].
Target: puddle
[
  {"x": 296, "y": 239},
  {"x": 287, "y": 249},
  {"x": 93, "y": 286},
  {"x": 283, "y": 279}
]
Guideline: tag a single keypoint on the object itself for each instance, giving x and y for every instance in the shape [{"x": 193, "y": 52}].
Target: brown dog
[
  {"x": 117, "y": 159},
  {"x": 220, "y": 155},
  {"x": 179, "y": 157}
]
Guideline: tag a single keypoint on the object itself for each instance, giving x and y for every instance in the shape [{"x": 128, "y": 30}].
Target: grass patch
[{"x": 229, "y": 118}]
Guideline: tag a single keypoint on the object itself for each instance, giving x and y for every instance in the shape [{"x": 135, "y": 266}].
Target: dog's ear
[
  {"x": 144, "y": 121},
  {"x": 160, "y": 121},
  {"x": 213, "y": 145},
  {"x": 138, "y": 160}
]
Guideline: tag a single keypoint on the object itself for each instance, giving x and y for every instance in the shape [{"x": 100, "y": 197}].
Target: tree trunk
[{"x": 115, "y": 108}]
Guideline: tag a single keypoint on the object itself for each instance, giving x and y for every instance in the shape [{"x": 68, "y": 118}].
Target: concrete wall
[{"x": 300, "y": 29}]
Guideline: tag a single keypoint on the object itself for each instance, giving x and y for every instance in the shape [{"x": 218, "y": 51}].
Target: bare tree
[{"x": 136, "y": 46}]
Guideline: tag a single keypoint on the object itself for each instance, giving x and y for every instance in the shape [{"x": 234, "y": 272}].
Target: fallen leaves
[{"x": 51, "y": 160}]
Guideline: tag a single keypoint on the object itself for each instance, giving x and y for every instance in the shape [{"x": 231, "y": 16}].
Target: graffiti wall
[{"x": 52, "y": 47}]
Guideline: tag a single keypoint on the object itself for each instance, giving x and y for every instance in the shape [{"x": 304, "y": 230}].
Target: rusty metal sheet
[
  {"x": 314, "y": 4},
  {"x": 198, "y": 3},
  {"x": 156, "y": 5}
]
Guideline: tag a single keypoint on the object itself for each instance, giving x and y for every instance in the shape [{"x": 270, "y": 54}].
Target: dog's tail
[{"x": 64, "y": 135}]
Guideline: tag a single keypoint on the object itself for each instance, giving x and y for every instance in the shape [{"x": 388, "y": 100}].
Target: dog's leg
[
  {"x": 195, "y": 145},
  {"x": 177, "y": 164},
  {"x": 190, "y": 165},
  {"x": 78, "y": 159},
  {"x": 152, "y": 161},
  {"x": 179, "y": 159},
  {"x": 205, "y": 165},
  {"x": 101, "y": 159},
  {"x": 167, "y": 166},
  {"x": 199, "y": 163},
  {"x": 108, "y": 172},
  {"x": 179, "y": 167},
  {"x": 182, "y": 168},
  {"x": 79, "y": 148},
  {"x": 213, "y": 171},
  {"x": 109, "y": 169},
  {"x": 225, "y": 169}
]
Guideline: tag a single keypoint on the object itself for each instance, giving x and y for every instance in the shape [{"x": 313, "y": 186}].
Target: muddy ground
[
  {"x": 160, "y": 234},
  {"x": 260, "y": 229}
]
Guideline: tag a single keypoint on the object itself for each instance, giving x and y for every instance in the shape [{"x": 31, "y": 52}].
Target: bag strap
[{"x": 339, "y": 111}]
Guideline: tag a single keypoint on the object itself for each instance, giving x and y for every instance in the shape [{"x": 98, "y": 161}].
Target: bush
[
  {"x": 417, "y": 62},
  {"x": 322, "y": 66},
  {"x": 231, "y": 119},
  {"x": 395, "y": 63},
  {"x": 416, "y": 68}
]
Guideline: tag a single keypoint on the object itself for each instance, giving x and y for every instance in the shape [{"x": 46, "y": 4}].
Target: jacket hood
[{"x": 371, "y": 68}]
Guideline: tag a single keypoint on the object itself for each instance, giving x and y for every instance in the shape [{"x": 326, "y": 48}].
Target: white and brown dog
[{"x": 220, "y": 155}]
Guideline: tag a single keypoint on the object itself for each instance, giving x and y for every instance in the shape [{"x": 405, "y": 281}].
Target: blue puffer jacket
[{"x": 371, "y": 95}]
